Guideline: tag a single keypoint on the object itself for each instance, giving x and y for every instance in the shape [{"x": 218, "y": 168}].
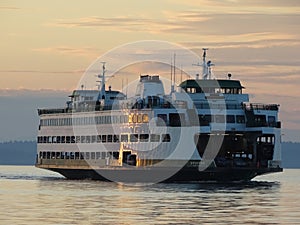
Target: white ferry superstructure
[{"x": 205, "y": 131}]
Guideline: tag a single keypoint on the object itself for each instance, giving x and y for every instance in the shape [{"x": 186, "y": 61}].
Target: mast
[
  {"x": 206, "y": 66},
  {"x": 174, "y": 77},
  {"x": 205, "y": 73},
  {"x": 102, "y": 85},
  {"x": 171, "y": 72}
]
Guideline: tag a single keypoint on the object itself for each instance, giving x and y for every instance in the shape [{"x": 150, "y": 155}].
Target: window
[
  {"x": 154, "y": 137},
  {"x": 219, "y": 119},
  {"x": 88, "y": 139},
  {"x": 81, "y": 155},
  {"x": 204, "y": 120},
  {"x": 145, "y": 118},
  {"x": 87, "y": 155},
  {"x": 272, "y": 121},
  {"x": 162, "y": 119},
  {"x": 166, "y": 137},
  {"x": 63, "y": 139},
  {"x": 109, "y": 138},
  {"x": 115, "y": 155},
  {"x": 93, "y": 139},
  {"x": 144, "y": 137},
  {"x": 98, "y": 155},
  {"x": 124, "y": 138},
  {"x": 103, "y": 138},
  {"x": 97, "y": 120},
  {"x": 98, "y": 138},
  {"x": 73, "y": 139},
  {"x": 93, "y": 155},
  {"x": 77, "y": 139},
  {"x": 67, "y": 155},
  {"x": 134, "y": 118},
  {"x": 176, "y": 119},
  {"x": 68, "y": 139},
  {"x": 116, "y": 138},
  {"x": 240, "y": 119},
  {"x": 139, "y": 118},
  {"x": 134, "y": 137},
  {"x": 129, "y": 118},
  {"x": 83, "y": 139},
  {"x": 124, "y": 119},
  {"x": 260, "y": 120},
  {"x": 230, "y": 119}
]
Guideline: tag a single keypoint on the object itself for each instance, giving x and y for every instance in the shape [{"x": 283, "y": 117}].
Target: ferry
[{"x": 204, "y": 130}]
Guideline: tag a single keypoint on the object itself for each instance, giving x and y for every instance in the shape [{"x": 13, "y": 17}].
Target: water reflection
[
  {"x": 33, "y": 198},
  {"x": 95, "y": 201}
]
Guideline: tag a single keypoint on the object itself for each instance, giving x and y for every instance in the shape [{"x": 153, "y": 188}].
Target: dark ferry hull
[{"x": 155, "y": 175}]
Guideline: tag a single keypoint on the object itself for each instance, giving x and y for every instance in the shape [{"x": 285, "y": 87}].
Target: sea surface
[{"x": 33, "y": 196}]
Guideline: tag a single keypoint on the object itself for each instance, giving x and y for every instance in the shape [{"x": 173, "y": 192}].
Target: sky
[{"x": 46, "y": 46}]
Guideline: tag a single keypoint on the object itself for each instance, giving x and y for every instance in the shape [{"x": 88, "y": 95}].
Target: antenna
[
  {"x": 102, "y": 85},
  {"x": 180, "y": 73},
  {"x": 171, "y": 72},
  {"x": 126, "y": 87},
  {"x": 204, "y": 65},
  {"x": 174, "y": 77}
]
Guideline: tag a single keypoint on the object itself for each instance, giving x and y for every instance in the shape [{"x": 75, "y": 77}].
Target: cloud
[
  {"x": 248, "y": 40},
  {"x": 43, "y": 71},
  {"x": 4, "y": 93},
  {"x": 241, "y": 6},
  {"x": 9, "y": 8},
  {"x": 216, "y": 25},
  {"x": 74, "y": 51},
  {"x": 133, "y": 24}
]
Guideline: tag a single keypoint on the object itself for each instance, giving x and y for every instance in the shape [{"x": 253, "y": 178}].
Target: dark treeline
[
  {"x": 290, "y": 155},
  {"x": 24, "y": 153},
  {"x": 18, "y": 153}
]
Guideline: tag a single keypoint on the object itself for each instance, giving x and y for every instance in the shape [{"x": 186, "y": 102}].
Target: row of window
[
  {"x": 78, "y": 155},
  {"x": 110, "y": 119},
  {"x": 205, "y": 119},
  {"x": 84, "y": 120},
  {"x": 213, "y": 90},
  {"x": 172, "y": 119},
  {"x": 110, "y": 138}
]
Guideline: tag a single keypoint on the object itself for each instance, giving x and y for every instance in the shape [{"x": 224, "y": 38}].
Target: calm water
[{"x": 33, "y": 196}]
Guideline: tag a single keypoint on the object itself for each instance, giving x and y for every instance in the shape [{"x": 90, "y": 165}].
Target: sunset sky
[{"x": 47, "y": 45}]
